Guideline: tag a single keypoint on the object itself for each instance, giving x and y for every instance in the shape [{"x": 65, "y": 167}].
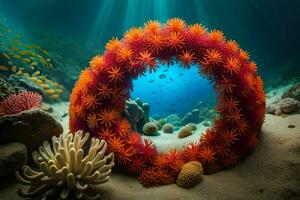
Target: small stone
[
  {"x": 12, "y": 157},
  {"x": 185, "y": 132},
  {"x": 291, "y": 126},
  {"x": 168, "y": 128}
]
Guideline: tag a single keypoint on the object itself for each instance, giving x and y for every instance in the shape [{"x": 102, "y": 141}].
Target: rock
[
  {"x": 168, "y": 128},
  {"x": 150, "y": 128},
  {"x": 12, "y": 157},
  {"x": 192, "y": 117},
  {"x": 190, "y": 174},
  {"x": 291, "y": 126},
  {"x": 293, "y": 92},
  {"x": 288, "y": 105},
  {"x": 192, "y": 126},
  {"x": 137, "y": 113},
  {"x": 31, "y": 128},
  {"x": 157, "y": 124},
  {"x": 185, "y": 132}
]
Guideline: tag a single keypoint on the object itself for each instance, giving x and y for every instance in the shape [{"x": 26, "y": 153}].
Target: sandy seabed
[{"x": 270, "y": 172}]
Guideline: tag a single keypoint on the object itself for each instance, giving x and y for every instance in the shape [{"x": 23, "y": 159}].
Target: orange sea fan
[
  {"x": 156, "y": 42},
  {"x": 113, "y": 44},
  {"x": 104, "y": 91},
  {"x": 133, "y": 34},
  {"x": 151, "y": 26},
  {"x": 232, "y": 45},
  {"x": 124, "y": 53},
  {"x": 123, "y": 128},
  {"x": 105, "y": 133},
  {"x": 232, "y": 64},
  {"x": 115, "y": 144},
  {"x": 146, "y": 58},
  {"x": 136, "y": 165},
  {"x": 175, "y": 41},
  {"x": 231, "y": 159},
  {"x": 115, "y": 74},
  {"x": 241, "y": 126},
  {"x": 217, "y": 35},
  {"x": 108, "y": 117},
  {"x": 227, "y": 84},
  {"x": 176, "y": 24},
  {"x": 124, "y": 155},
  {"x": 207, "y": 154},
  {"x": 97, "y": 62},
  {"x": 186, "y": 58},
  {"x": 252, "y": 66},
  {"x": 90, "y": 101},
  {"x": 244, "y": 54},
  {"x": 197, "y": 29},
  {"x": 212, "y": 56},
  {"x": 234, "y": 116},
  {"x": 154, "y": 177},
  {"x": 92, "y": 120},
  {"x": 229, "y": 137},
  {"x": 230, "y": 103}
]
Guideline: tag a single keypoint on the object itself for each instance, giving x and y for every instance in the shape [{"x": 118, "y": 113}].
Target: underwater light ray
[{"x": 102, "y": 19}]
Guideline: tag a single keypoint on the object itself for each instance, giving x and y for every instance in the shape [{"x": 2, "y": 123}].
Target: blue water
[{"x": 180, "y": 91}]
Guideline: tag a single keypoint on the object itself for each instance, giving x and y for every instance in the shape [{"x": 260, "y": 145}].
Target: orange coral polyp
[{"x": 98, "y": 98}]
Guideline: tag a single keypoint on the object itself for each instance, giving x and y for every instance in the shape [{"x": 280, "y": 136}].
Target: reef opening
[{"x": 169, "y": 99}]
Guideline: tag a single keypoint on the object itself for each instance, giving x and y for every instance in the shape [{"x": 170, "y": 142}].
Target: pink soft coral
[{"x": 17, "y": 103}]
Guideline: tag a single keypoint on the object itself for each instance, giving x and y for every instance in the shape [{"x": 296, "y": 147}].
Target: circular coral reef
[{"x": 98, "y": 98}]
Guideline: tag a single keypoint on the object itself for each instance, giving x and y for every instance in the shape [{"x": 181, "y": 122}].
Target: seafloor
[{"x": 270, "y": 172}]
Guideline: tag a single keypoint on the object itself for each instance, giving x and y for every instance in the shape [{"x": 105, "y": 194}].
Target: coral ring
[{"x": 98, "y": 98}]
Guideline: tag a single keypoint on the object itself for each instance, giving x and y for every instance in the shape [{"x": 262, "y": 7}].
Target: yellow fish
[
  {"x": 43, "y": 78},
  {"x": 45, "y": 86},
  {"x": 26, "y": 75},
  {"x": 14, "y": 68},
  {"x": 38, "y": 81},
  {"x": 49, "y": 91},
  {"x": 54, "y": 96},
  {"x": 33, "y": 78},
  {"x": 45, "y": 52},
  {"x": 59, "y": 91},
  {"x": 17, "y": 56},
  {"x": 19, "y": 73},
  {"x": 26, "y": 60},
  {"x": 3, "y": 68},
  {"x": 6, "y": 56},
  {"x": 36, "y": 73}
]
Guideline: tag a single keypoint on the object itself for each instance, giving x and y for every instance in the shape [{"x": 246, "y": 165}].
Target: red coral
[
  {"x": 17, "y": 103},
  {"x": 98, "y": 98}
]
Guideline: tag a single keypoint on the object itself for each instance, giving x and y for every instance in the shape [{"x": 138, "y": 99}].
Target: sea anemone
[
  {"x": 17, "y": 103},
  {"x": 64, "y": 170}
]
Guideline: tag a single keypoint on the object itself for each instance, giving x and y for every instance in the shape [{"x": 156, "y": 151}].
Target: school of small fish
[{"x": 27, "y": 61}]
